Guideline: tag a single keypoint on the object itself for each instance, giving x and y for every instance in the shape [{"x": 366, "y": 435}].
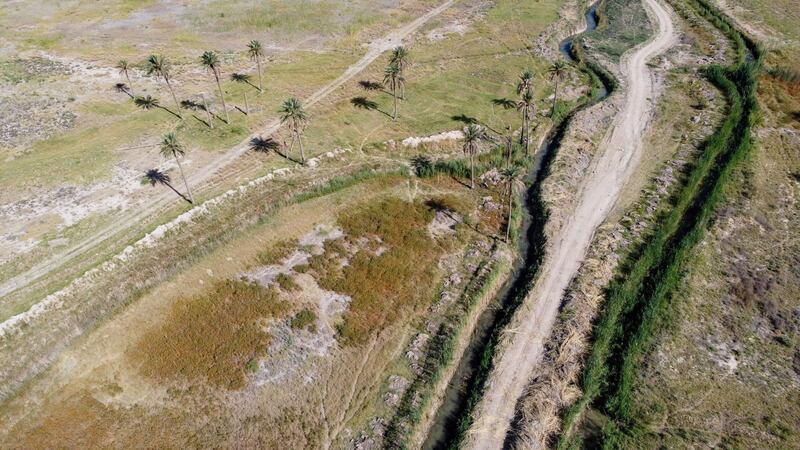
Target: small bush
[
  {"x": 305, "y": 319},
  {"x": 279, "y": 250},
  {"x": 287, "y": 283}
]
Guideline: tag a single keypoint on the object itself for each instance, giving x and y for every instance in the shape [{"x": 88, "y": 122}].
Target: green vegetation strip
[
  {"x": 637, "y": 305},
  {"x": 440, "y": 355}
]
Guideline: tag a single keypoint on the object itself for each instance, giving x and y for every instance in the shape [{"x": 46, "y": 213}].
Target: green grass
[
  {"x": 287, "y": 17},
  {"x": 80, "y": 156}
]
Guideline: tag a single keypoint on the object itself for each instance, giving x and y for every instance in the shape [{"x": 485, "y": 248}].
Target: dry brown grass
[
  {"x": 210, "y": 337},
  {"x": 81, "y": 421},
  {"x": 383, "y": 285}
]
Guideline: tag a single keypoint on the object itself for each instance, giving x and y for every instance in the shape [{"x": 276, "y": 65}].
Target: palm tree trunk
[
  {"x": 394, "y": 94},
  {"x": 246, "y": 105},
  {"x": 472, "y": 170},
  {"x": 509, "y": 148},
  {"x": 258, "y": 65},
  {"x": 185, "y": 183},
  {"x": 527, "y": 132},
  {"x": 175, "y": 99},
  {"x": 302, "y": 152},
  {"x": 510, "y": 205},
  {"x": 222, "y": 97},
  {"x": 555, "y": 98}
]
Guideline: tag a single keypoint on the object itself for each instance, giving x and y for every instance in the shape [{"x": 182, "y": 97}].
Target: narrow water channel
[{"x": 444, "y": 430}]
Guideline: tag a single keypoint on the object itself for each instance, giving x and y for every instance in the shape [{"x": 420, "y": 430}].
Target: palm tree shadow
[
  {"x": 468, "y": 120},
  {"x": 437, "y": 206},
  {"x": 368, "y": 85},
  {"x": 170, "y": 111},
  {"x": 266, "y": 145},
  {"x": 241, "y": 110},
  {"x": 367, "y": 104},
  {"x": 465, "y": 119},
  {"x": 194, "y": 106},
  {"x": 201, "y": 120}
]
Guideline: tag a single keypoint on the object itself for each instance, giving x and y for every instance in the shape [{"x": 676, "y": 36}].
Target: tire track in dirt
[{"x": 621, "y": 151}]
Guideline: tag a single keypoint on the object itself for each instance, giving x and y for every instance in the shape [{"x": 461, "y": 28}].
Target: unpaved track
[
  {"x": 200, "y": 177},
  {"x": 534, "y": 320}
]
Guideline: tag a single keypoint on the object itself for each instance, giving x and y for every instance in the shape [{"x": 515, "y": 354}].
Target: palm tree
[
  {"x": 511, "y": 175},
  {"x": 243, "y": 78},
  {"x": 393, "y": 77},
  {"x": 400, "y": 58},
  {"x": 292, "y": 111},
  {"x": 473, "y": 134},
  {"x": 159, "y": 66},
  {"x": 171, "y": 147},
  {"x": 124, "y": 67},
  {"x": 525, "y": 82},
  {"x": 557, "y": 72},
  {"x": 256, "y": 52},
  {"x": 148, "y": 102},
  {"x": 527, "y": 106},
  {"x": 211, "y": 61},
  {"x": 155, "y": 176}
]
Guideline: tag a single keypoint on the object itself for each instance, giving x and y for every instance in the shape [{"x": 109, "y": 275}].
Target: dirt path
[
  {"x": 532, "y": 324},
  {"x": 200, "y": 177}
]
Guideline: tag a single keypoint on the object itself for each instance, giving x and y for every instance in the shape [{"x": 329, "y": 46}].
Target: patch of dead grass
[
  {"x": 387, "y": 284},
  {"x": 210, "y": 337}
]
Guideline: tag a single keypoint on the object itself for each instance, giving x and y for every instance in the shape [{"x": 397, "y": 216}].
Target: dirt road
[
  {"x": 201, "y": 176},
  {"x": 621, "y": 150}
]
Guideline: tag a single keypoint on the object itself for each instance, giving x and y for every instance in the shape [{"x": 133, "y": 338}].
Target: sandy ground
[
  {"x": 203, "y": 175},
  {"x": 532, "y": 324}
]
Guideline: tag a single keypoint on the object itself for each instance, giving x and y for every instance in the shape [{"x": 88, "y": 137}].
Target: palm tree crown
[
  {"x": 123, "y": 66},
  {"x": 171, "y": 147},
  {"x": 292, "y": 110},
  {"x": 157, "y": 65},
  {"x": 525, "y": 81},
  {"x": 399, "y": 57},
  {"x": 255, "y": 50},
  {"x": 557, "y": 70},
  {"x": 210, "y": 60}
]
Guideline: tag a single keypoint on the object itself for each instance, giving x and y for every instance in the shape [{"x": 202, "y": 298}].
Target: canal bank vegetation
[{"x": 637, "y": 303}]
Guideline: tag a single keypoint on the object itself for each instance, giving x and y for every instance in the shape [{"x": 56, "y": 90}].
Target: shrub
[{"x": 305, "y": 319}]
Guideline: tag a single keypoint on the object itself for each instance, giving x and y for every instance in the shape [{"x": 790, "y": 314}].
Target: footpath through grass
[{"x": 637, "y": 304}]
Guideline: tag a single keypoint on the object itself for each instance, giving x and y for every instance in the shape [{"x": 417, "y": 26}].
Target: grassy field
[{"x": 149, "y": 333}]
